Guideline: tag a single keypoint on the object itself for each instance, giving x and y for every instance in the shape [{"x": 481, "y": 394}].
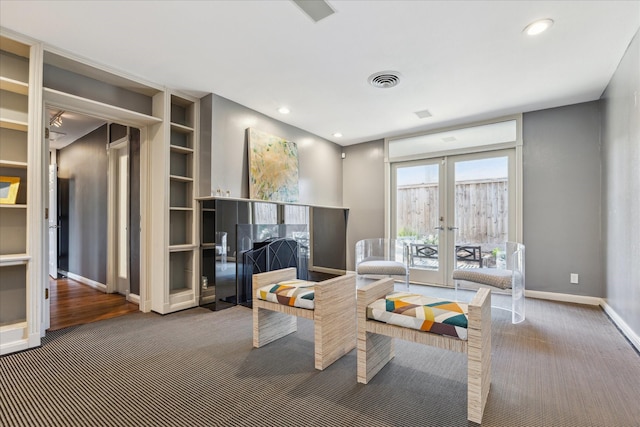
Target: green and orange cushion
[
  {"x": 294, "y": 293},
  {"x": 423, "y": 313}
]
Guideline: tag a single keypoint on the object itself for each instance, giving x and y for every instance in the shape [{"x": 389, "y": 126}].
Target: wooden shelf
[
  {"x": 14, "y": 206},
  {"x": 14, "y": 86}
]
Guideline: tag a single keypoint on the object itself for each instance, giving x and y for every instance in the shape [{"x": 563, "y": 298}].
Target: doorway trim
[
  {"x": 484, "y": 146},
  {"x": 108, "y": 113},
  {"x": 114, "y": 198}
]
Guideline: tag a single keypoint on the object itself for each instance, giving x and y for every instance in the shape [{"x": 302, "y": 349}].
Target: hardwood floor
[{"x": 73, "y": 303}]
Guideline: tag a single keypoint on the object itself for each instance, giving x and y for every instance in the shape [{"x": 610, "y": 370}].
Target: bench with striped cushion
[
  {"x": 429, "y": 314},
  {"x": 294, "y": 293}
]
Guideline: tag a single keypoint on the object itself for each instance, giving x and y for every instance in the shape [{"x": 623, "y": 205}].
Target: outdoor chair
[
  {"x": 500, "y": 280},
  {"x": 278, "y": 298},
  {"x": 384, "y": 315},
  {"x": 383, "y": 257}
]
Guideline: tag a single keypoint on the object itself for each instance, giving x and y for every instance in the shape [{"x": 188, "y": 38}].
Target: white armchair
[{"x": 383, "y": 257}]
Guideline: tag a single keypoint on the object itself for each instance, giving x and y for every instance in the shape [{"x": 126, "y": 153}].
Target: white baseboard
[
  {"x": 554, "y": 296},
  {"x": 133, "y": 298},
  {"x": 97, "y": 285},
  {"x": 622, "y": 325},
  {"x": 580, "y": 299}
]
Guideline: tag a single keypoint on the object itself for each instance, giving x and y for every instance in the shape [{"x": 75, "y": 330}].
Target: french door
[{"x": 454, "y": 211}]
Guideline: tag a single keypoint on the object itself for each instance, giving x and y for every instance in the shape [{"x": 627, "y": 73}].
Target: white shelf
[
  {"x": 14, "y": 86},
  {"x": 180, "y": 208},
  {"x": 181, "y": 128},
  {"x": 14, "y": 206},
  {"x": 14, "y": 124},
  {"x": 182, "y": 248},
  {"x": 12, "y": 164},
  {"x": 180, "y": 178},
  {"x": 72, "y": 102},
  {"x": 181, "y": 149},
  {"x": 14, "y": 259}
]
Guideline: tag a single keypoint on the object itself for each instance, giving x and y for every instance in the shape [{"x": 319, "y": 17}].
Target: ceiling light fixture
[
  {"x": 56, "y": 119},
  {"x": 537, "y": 27},
  {"x": 283, "y": 110},
  {"x": 337, "y": 135}
]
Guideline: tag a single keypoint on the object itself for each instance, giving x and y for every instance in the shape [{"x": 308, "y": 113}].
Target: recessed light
[
  {"x": 283, "y": 110},
  {"x": 337, "y": 135},
  {"x": 537, "y": 27}
]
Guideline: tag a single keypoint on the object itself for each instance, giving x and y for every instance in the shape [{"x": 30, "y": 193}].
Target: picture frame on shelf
[{"x": 9, "y": 189}]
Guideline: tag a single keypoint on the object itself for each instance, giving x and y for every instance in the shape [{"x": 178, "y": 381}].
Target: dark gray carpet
[{"x": 567, "y": 365}]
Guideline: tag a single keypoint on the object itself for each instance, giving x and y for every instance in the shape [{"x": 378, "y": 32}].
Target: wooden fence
[{"x": 480, "y": 213}]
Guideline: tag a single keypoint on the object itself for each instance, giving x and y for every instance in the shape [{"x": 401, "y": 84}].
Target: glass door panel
[
  {"x": 479, "y": 211},
  {"x": 419, "y": 217}
]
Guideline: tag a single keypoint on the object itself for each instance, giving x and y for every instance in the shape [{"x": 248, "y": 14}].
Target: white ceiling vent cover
[{"x": 384, "y": 79}]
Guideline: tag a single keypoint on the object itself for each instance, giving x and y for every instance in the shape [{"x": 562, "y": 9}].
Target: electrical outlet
[{"x": 574, "y": 278}]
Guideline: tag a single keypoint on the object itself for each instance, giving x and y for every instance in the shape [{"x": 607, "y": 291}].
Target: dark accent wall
[
  {"x": 330, "y": 237},
  {"x": 134, "y": 211},
  {"x": 82, "y": 172}
]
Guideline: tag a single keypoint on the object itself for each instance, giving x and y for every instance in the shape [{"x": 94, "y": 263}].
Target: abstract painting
[{"x": 273, "y": 167}]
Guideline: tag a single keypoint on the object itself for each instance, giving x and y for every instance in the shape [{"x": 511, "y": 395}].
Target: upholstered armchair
[{"x": 383, "y": 257}]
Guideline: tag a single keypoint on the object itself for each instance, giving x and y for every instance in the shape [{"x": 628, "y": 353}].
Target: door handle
[
  {"x": 452, "y": 228},
  {"x": 439, "y": 228}
]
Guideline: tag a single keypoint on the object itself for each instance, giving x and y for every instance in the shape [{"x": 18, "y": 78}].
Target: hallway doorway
[{"x": 74, "y": 303}]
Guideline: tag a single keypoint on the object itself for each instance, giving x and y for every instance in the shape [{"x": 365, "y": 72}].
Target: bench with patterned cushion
[
  {"x": 294, "y": 293},
  {"x": 429, "y": 314}
]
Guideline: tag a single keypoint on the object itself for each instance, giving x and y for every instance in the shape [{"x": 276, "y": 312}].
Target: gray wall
[
  {"x": 561, "y": 171},
  {"x": 363, "y": 193},
  {"x": 621, "y": 187},
  {"x": 561, "y": 198},
  {"x": 82, "y": 173},
  {"x": 320, "y": 164}
]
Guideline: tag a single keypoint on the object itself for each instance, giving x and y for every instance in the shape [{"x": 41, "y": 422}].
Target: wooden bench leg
[
  {"x": 374, "y": 352},
  {"x": 270, "y": 325},
  {"x": 479, "y": 359},
  {"x": 334, "y": 319}
]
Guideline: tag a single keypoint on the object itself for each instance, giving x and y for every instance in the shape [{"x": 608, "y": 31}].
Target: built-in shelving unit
[
  {"x": 179, "y": 157},
  {"x": 35, "y": 77},
  {"x": 14, "y": 220}
]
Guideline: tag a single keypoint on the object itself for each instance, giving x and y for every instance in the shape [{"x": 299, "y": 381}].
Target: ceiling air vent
[{"x": 384, "y": 79}]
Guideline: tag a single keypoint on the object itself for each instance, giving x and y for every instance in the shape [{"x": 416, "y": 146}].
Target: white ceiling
[{"x": 462, "y": 60}]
